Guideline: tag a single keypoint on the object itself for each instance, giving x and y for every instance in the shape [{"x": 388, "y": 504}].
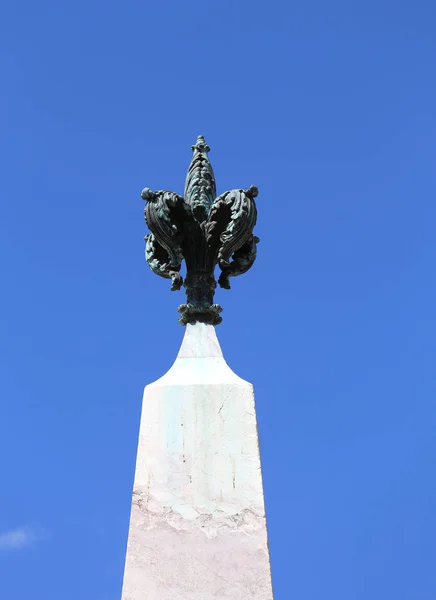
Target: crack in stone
[{"x": 247, "y": 521}]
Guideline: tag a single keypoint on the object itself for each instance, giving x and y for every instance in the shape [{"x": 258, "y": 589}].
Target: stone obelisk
[{"x": 197, "y": 525}]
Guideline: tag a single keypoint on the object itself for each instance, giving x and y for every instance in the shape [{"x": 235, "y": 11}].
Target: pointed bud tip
[
  {"x": 252, "y": 191},
  {"x": 147, "y": 194},
  {"x": 200, "y": 145}
]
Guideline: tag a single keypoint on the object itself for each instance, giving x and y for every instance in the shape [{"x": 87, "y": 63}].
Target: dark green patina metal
[{"x": 205, "y": 231}]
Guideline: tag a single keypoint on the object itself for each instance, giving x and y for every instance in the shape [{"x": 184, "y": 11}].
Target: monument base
[{"x": 197, "y": 526}]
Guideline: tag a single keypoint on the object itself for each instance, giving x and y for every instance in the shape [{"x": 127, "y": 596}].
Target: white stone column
[{"x": 197, "y": 526}]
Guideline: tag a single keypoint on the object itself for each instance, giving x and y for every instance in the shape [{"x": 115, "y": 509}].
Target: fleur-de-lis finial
[{"x": 205, "y": 231}]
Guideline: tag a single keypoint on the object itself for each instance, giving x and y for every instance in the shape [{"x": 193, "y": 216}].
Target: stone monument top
[
  {"x": 197, "y": 524},
  {"x": 203, "y": 230}
]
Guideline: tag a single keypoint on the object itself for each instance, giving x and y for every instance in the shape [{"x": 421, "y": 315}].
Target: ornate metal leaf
[
  {"x": 233, "y": 216},
  {"x": 242, "y": 260},
  {"x": 163, "y": 250},
  {"x": 200, "y": 189},
  {"x": 158, "y": 260}
]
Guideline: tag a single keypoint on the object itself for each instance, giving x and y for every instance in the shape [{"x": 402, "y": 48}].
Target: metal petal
[
  {"x": 163, "y": 250},
  {"x": 200, "y": 189},
  {"x": 242, "y": 261},
  {"x": 232, "y": 218}
]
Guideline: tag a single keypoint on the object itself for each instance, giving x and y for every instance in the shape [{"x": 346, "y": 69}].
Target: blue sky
[{"x": 329, "y": 109}]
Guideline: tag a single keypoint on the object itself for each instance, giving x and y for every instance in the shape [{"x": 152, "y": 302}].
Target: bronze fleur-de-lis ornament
[{"x": 205, "y": 231}]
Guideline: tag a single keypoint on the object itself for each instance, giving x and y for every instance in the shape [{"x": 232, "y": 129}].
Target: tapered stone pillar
[{"x": 197, "y": 526}]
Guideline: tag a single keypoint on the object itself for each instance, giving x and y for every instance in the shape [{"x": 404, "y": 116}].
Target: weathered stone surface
[{"x": 197, "y": 528}]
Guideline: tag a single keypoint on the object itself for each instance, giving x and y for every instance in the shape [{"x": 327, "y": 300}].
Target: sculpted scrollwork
[{"x": 205, "y": 231}]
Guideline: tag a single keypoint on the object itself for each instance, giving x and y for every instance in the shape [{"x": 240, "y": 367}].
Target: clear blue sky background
[{"x": 329, "y": 107}]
